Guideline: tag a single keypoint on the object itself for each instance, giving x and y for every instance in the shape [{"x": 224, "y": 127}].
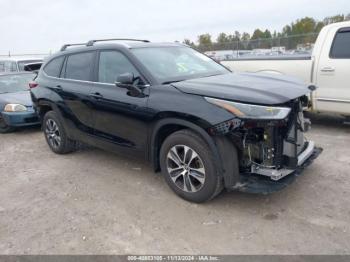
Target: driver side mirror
[{"x": 126, "y": 80}]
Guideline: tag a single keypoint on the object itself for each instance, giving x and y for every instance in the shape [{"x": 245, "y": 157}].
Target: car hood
[
  {"x": 265, "y": 89},
  {"x": 22, "y": 98}
]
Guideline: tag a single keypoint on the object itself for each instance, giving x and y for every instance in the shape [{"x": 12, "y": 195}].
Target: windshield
[
  {"x": 22, "y": 63},
  {"x": 171, "y": 64},
  {"x": 15, "y": 83}
]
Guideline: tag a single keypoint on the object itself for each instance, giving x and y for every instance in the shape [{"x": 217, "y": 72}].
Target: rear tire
[
  {"x": 4, "y": 128},
  {"x": 188, "y": 166},
  {"x": 56, "y": 135}
]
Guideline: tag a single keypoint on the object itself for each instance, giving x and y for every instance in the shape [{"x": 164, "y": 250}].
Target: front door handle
[
  {"x": 96, "y": 95},
  {"x": 327, "y": 69}
]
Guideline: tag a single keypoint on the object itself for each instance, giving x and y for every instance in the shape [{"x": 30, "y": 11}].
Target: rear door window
[
  {"x": 79, "y": 66},
  {"x": 53, "y": 68},
  {"x": 341, "y": 44}
]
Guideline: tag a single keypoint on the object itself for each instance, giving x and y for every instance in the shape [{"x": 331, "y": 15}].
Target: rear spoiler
[{"x": 33, "y": 67}]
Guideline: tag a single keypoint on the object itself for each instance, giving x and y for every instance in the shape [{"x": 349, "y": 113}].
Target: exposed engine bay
[{"x": 272, "y": 148}]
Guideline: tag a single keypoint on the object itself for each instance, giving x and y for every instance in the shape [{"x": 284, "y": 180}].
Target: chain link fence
[{"x": 278, "y": 46}]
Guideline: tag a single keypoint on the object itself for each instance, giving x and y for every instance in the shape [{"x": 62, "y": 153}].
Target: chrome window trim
[{"x": 84, "y": 81}]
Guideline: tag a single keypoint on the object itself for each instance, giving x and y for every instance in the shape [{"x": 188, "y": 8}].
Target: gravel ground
[{"x": 96, "y": 202}]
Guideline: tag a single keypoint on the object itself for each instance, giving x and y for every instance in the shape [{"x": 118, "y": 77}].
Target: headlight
[
  {"x": 15, "y": 108},
  {"x": 251, "y": 111}
]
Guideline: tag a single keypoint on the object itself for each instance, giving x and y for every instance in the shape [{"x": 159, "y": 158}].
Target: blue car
[{"x": 16, "y": 109}]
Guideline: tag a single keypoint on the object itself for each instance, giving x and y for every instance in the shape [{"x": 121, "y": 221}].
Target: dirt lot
[{"x": 95, "y": 202}]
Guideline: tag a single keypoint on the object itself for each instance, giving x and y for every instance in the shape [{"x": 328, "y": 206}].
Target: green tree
[
  {"x": 287, "y": 30},
  {"x": 245, "y": 36},
  {"x": 304, "y": 26},
  {"x": 334, "y": 19},
  {"x": 261, "y": 39},
  {"x": 303, "y": 30},
  {"x": 222, "y": 38},
  {"x": 189, "y": 42},
  {"x": 267, "y": 34},
  {"x": 258, "y": 34},
  {"x": 319, "y": 26},
  {"x": 237, "y": 36},
  {"x": 245, "y": 41},
  {"x": 205, "y": 40}
]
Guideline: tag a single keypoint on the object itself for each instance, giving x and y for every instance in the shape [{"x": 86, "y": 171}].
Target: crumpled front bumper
[{"x": 259, "y": 184}]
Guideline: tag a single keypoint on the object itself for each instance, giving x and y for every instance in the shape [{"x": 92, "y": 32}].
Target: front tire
[
  {"x": 56, "y": 135},
  {"x": 189, "y": 168}
]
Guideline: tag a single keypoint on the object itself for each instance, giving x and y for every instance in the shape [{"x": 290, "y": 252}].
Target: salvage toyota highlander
[{"x": 206, "y": 128}]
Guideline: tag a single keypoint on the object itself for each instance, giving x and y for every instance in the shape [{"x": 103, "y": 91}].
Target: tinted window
[
  {"x": 79, "y": 66},
  {"x": 53, "y": 68},
  {"x": 341, "y": 44},
  {"x": 112, "y": 64},
  {"x": 15, "y": 83}
]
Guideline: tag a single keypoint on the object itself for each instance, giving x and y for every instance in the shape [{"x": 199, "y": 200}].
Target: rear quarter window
[
  {"x": 341, "y": 44},
  {"x": 53, "y": 68}
]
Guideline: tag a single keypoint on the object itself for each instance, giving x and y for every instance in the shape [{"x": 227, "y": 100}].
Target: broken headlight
[{"x": 251, "y": 111}]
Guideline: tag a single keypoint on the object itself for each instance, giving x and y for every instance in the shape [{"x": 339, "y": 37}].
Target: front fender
[{"x": 186, "y": 124}]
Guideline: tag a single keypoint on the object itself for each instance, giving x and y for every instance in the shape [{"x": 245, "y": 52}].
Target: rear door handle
[
  {"x": 327, "y": 69},
  {"x": 96, "y": 95},
  {"x": 58, "y": 87}
]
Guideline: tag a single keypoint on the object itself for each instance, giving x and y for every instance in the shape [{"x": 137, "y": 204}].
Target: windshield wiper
[{"x": 173, "y": 81}]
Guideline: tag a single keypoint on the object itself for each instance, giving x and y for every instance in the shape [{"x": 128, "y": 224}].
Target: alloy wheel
[
  {"x": 185, "y": 168},
  {"x": 52, "y": 133}
]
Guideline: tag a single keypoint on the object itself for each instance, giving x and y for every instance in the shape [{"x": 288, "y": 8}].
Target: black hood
[{"x": 246, "y": 87}]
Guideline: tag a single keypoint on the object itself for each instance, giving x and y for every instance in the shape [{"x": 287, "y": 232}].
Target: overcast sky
[{"x": 43, "y": 25}]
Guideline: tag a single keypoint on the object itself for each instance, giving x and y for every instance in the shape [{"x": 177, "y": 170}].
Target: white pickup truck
[{"x": 328, "y": 68}]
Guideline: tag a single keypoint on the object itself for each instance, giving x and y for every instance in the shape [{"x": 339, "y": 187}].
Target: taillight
[{"x": 33, "y": 84}]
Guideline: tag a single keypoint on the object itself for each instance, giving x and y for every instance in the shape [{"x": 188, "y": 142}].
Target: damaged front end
[{"x": 272, "y": 149}]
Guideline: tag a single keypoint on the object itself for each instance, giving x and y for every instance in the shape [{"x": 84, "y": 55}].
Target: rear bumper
[
  {"x": 17, "y": 119},
  {"x": 259, "y": 184}
]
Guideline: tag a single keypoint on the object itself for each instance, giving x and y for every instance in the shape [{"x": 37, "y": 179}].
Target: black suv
[{"x": 205, "y": 127}]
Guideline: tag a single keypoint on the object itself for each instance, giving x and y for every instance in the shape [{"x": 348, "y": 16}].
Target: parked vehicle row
[
  {"x": 203, "y": 126},
  {"x": 16, "y": 108},
  {"x": 327, "y": 68},
  {"x": 13, "y": 64}
]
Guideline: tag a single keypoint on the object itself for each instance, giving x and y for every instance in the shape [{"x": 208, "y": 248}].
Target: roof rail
[
  {"x": 64, "y": 47},
  {"x": 91, "y": 42}
]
